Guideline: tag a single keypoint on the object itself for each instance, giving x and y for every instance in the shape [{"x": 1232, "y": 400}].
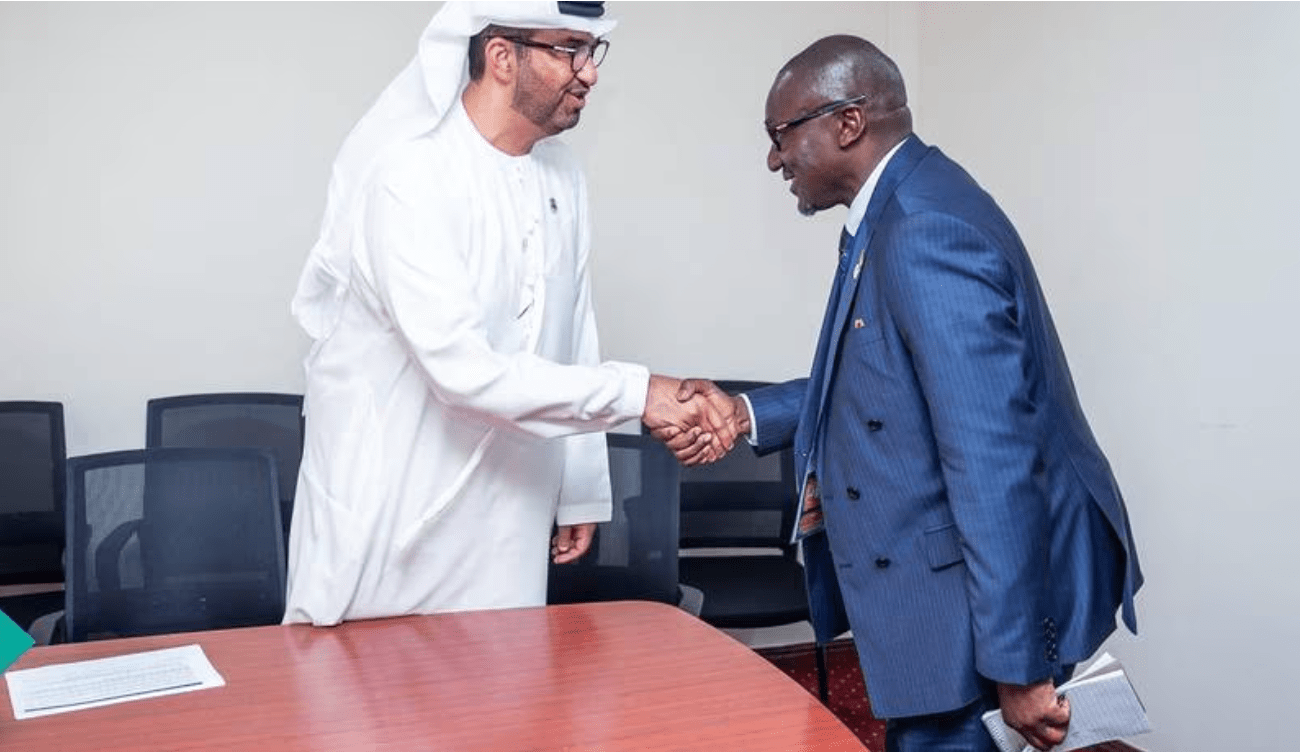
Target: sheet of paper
[
  {"x": 1102, "y": 708},
  {"x": 1106, "y": 662},
  {"x": 65, "y": 687}
]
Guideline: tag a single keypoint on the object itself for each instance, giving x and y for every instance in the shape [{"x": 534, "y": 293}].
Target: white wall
[
  {"x": 693, "y": 231},
  {"x": 162, "y": 174},
  {"x": 1148, "y": 154}
]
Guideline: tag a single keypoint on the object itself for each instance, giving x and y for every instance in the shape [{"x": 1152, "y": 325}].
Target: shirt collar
[{"x": 858, "y": 209}]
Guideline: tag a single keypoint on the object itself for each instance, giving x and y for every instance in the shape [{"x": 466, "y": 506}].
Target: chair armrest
[
  {"x": 692, "y": 601},
  {"x": 43, "y": 629},
  {"x": 109, "y": 552}
]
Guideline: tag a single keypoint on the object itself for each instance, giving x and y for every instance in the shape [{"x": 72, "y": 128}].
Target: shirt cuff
[
  {"x": 752, "y": 438},
  {"x": 635, "y": 389},
  {"x": 578, "y": 514}
]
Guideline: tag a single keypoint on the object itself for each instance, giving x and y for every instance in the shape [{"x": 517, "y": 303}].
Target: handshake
[{"x": 694, "y": 418}]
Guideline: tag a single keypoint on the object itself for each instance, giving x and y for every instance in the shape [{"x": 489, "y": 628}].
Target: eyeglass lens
[{"x": 594, "y": 51}]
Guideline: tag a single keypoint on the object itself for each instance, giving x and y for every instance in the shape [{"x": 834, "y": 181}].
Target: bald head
[
  {"x": 843, "y": 66},
  {"x": 834, "y": 112}
]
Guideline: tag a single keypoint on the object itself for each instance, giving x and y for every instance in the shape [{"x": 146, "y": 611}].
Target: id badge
[{"x": 810, "y": 520}]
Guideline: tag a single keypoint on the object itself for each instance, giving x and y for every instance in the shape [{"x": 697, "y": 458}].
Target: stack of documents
[{"x": 1103, "y": 707}]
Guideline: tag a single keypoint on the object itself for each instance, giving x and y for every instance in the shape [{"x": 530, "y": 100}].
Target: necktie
[{"x": 823, "y": 352}]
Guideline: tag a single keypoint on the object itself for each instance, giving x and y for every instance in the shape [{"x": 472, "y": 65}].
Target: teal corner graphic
[{"x": 13, "y": 641}]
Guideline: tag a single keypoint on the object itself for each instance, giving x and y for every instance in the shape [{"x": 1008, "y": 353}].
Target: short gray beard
[{"x": 528, "y": 103}]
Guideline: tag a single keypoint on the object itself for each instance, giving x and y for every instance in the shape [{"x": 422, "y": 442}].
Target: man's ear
[
  {"x": 499, "y": 60},
  {"x": 852, "y": 126}
]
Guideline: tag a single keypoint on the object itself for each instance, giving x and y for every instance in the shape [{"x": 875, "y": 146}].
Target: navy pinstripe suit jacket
[{"x": 973, "y": 526}]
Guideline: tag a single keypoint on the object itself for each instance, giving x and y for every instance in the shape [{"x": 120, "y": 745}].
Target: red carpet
[{"x": 847, "y": 693}]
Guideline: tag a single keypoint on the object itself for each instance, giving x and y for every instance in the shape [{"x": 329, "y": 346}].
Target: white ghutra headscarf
[{"x": 412, "y": 105}]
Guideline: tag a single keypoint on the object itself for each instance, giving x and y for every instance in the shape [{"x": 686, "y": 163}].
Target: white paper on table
[{"x": 65, "y": 687}]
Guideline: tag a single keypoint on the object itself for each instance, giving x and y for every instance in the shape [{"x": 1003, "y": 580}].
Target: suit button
[
  {"x": 852, "y": 493},
  {"x": 882, "y": 563},
  {"x": 874, "y": 425}
]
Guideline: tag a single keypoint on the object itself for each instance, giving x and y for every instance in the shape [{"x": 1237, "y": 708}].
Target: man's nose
[
  {"x": 587, "y": 73},
  {"x": 773, "y": 158}
]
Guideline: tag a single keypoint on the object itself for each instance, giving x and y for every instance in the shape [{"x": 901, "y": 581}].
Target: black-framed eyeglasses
[
  {"x": 775, "y": 132},
  {"x": 578, "y": 56}
]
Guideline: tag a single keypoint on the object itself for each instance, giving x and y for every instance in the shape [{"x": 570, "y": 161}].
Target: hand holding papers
[{"x": 1103, "y": 707}]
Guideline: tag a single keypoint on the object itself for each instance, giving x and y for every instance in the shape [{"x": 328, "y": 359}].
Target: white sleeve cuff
[
  {"x": 752, "y": 438},
  {"x": 577, "y": 514},
  {"x": 636, "y": 388}
]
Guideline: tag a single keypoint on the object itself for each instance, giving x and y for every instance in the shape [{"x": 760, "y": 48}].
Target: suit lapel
[
  {"x": 899, "y": 167},
  {"x": 805, "y": 434}
]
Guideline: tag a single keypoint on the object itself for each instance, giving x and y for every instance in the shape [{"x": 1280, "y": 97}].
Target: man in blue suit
[{"x": 968, "y": 528}]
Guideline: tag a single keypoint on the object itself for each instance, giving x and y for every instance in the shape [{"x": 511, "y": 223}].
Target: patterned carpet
[{"x": 847, "y": 694}]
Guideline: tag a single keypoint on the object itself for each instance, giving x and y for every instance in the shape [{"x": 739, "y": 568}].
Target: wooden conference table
[{"x": 591, "y": 677}]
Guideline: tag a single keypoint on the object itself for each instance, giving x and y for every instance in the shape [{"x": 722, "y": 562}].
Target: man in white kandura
[{"x": 454, "y": 382}]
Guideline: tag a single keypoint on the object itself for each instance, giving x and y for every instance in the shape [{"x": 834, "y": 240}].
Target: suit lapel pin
[{"x": 858, "y": 323}]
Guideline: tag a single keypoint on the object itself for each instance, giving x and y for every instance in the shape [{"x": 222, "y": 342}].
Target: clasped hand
[{"x": 694, "y": 418}]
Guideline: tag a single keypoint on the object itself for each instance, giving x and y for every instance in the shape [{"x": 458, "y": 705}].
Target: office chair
[
  {"x": 32, "y": 456},
  {"x": 743, "y": 507},
  {"x": 634, "y": 555},
  {"x": 173, "y": 540},
  {"x": 234, "y": 419}
]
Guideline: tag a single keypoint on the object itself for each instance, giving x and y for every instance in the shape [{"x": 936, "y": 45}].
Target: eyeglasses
[
  {"x": 775, "y": 132},
  {"x": 578, "y": 56}
]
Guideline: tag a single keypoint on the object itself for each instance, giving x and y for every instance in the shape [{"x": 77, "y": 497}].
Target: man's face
[
  {"x": 549, "y": 93},
  {"x": 806, "y": 154}
]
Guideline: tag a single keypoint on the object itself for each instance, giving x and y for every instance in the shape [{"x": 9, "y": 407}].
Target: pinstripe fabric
[{"x": 973, "y": 525}]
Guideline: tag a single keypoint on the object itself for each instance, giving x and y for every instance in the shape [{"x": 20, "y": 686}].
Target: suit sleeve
[
  {"x": 776, "y": 414},
  {"x": 952, "y": 294},
  {"x": 416, "y": 238}
]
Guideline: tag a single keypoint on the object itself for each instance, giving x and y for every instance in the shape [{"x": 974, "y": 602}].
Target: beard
[{"x": 548, "y": 110}]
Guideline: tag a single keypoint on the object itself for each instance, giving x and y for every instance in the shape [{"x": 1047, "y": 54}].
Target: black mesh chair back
[
  {"x": 742, "y": 500},
  {"x": 173, "y": 540},
  {"x": 234, "y": 419},
  {"x": 634, "y": 555},
  {"x": 742, "y": 507},
  {"x": 32, "y": 456}
]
